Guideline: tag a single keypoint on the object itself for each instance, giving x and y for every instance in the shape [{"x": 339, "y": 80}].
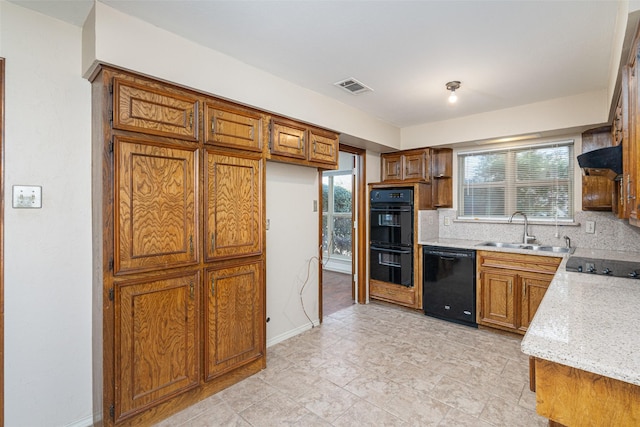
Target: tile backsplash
[{"x": 611, "y": 233}]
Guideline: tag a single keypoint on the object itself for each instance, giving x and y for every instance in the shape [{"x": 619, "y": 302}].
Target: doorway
[{"x": 342, "y": 195}]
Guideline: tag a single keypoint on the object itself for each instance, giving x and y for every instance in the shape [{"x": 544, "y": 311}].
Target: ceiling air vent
[{"x": 353, "y": 86}]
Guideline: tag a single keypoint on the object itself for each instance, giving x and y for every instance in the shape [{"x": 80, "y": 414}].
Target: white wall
[
  {"x": 47, "y": 251},
  {"x": 589, "y": 109},
  {"x": 115, "y": 38},
  {"x": 292, "y": 250}
]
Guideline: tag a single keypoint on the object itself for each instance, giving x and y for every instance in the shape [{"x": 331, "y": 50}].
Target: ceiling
[{"x": 505, "y": 53}]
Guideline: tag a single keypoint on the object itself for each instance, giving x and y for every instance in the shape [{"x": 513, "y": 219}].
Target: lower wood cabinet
[
  {"x": 510, "y": 287},
  {"x": 156, "y": 340},
  {"x": 233, "y": 317}
]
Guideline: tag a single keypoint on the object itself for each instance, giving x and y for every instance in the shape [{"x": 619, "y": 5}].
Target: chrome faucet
[
  {"x": 567, "y": 240},
  {"x": 526, "y": 238}
]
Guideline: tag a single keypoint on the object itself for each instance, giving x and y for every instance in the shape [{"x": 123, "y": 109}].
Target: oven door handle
[
  {"x": 395, "y": 251},
  {"x": 392, "y": 209}
]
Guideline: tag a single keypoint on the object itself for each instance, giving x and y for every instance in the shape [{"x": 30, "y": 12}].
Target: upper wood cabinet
[
  {"x": 407, "y": 166},
  {"x": 232, "y": 126},
  {"x": 233, "y": 318},
  {"x": 233, "y": 226},
  {"x": 295, "y": 142},
  {"x": 597, "y": 191},
  {"x": 152, "y": 108},
  {"x": 155, "y": 205},
  {"x": 510, "y": 288},
  {"x": 156, "y": 340},
  {"x": 426, "y": 165}
]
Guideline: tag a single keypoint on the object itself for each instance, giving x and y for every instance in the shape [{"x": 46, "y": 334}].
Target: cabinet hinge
[
  {"x": 111, "y": 146},
  {"x": 270, "y": 135},
  {"x": 111, "y": 294},
  {"x": 110, "y": 117},
  {"x": 112, "y": 411},
  {"x": 110, "y": 88},
  {"x": 110, "y": 263}
]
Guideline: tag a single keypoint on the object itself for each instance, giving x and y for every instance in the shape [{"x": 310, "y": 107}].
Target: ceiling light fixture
[{"x": 453, "y": 86}]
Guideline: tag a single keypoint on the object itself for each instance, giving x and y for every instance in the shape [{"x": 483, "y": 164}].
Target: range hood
[{"x": 605, "y": 162}]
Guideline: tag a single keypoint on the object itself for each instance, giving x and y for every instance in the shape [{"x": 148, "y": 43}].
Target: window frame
[
  {"x": 511, "y": 183},
  {"x": 330, "y": 213}
]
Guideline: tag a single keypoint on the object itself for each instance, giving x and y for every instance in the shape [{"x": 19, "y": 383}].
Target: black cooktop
[{"x": 604, "y": 267}]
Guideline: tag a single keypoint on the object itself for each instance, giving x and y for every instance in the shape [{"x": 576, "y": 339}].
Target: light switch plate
[
  {"x": 590, "y": 227},
  {"x": 27, "y": 196}
]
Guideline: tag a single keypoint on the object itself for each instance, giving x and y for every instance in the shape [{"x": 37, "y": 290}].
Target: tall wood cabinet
[{"x": 179, "y": 283}]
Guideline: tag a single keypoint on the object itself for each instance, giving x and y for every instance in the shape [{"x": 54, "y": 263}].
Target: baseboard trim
[{"x": 292, "y": 333}]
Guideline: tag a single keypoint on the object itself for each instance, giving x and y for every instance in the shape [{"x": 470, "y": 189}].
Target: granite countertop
[{"x": 585, "y": 321}]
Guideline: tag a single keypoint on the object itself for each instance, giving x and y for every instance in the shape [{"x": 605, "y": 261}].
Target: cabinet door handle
[
  {"x": 191, "y": 290},
  {"x": 191, "y": 244},
  {"x": 213, "y": 242},
  {"x": 314, "y": 147},
  {"x": 190, "y": 119},
  {"x": 213, "y": 286},
  {"x": 213, "y": 125},
  {"x": 524, "y": 289},
  {"x": 510, "y": 287},
  {"x": 251, "y": 132}
]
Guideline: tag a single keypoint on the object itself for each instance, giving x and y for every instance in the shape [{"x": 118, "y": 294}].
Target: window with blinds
[{"x": 536, "y": 180}]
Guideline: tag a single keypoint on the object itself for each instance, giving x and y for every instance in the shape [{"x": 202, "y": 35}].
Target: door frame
[
  {"x": 2, "y": 91},
  {"x": 358, "y": 245}
]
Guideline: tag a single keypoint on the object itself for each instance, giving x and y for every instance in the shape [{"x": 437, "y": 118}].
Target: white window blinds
[{"x": 537, "y": 180}]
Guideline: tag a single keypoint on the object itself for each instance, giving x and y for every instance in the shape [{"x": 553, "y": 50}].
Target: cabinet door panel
[
  {"x": 234, "y": 317},
  {"x": 532, "y": 290},
  {"x": 234, "y": 206},
  {"x": 288, "y": 140},
  {"x": 155, "y": 206},
  {"x": 497, "y": 298},
  {"x": 147, "y": 109},
  {"x": 324, "y": 147},
  {"x": 416, "y": 167},
  {"x": 234, "y": 128},
  {"x": 392, "y": 168},
  {"x": 156, "y": 340}
]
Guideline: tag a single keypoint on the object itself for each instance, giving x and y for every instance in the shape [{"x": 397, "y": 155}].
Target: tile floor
[{"x": 380, "y": 365}]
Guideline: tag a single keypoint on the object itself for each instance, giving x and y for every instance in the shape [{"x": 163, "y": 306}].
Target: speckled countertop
[{"x": 584, "y": 321}]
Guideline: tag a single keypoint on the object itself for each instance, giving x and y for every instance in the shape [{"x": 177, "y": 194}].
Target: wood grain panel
[
  {"x": 532, "y": 289},
  {"x": 148, "y": 109},
  {"x": 156, "y": 340},
  {"x": 574, "y": 397},
  {"x": 496, "y": 298},
  {"x": 234, "y": 317},
  {"x": 233, "y": 127},
  {"x": 234, "y": 201},
  {"x": 288, "y": 139},
  {"x": 324, "y": 147},
  {"x": 520, "y": 262},
  {"x": 417, "y": 166},
  {"x": 156, "y": 202},
  {"x": 391, "y": 167}
]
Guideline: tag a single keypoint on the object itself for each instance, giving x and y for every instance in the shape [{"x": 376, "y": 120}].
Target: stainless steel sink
[{"x": 555, "y": 249}]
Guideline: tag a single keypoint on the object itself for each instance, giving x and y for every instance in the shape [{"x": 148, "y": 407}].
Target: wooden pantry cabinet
[
  {"x": 510, "y": 287},
  {"x": 179, "y": 214},
  {"x": 432, "y": 166}
]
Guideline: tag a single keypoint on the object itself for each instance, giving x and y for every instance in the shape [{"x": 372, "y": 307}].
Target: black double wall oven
[{"x": 391, "y": 235}]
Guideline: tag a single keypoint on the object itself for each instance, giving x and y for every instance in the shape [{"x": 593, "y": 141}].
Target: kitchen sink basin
[{"x": 555, "y": 249}]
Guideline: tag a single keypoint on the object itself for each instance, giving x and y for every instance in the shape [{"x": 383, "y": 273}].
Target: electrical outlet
[
  {"x": 447, "y": 221},
  {"x": 590, "y": 227}
]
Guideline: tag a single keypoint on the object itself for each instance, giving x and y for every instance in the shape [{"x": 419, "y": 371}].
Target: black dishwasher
[{"x": 449, "y": 284}]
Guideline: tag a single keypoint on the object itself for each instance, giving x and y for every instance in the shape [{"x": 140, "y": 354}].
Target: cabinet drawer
[
  {"x": 235, "y": 128},
  {"x": 147, "y": 109},
  {"x": 288, "y": 140},
  {"x": 393, "y": 293},
  {"x": 520, "y": 262},
  {"x": 323, "y": 147}
]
